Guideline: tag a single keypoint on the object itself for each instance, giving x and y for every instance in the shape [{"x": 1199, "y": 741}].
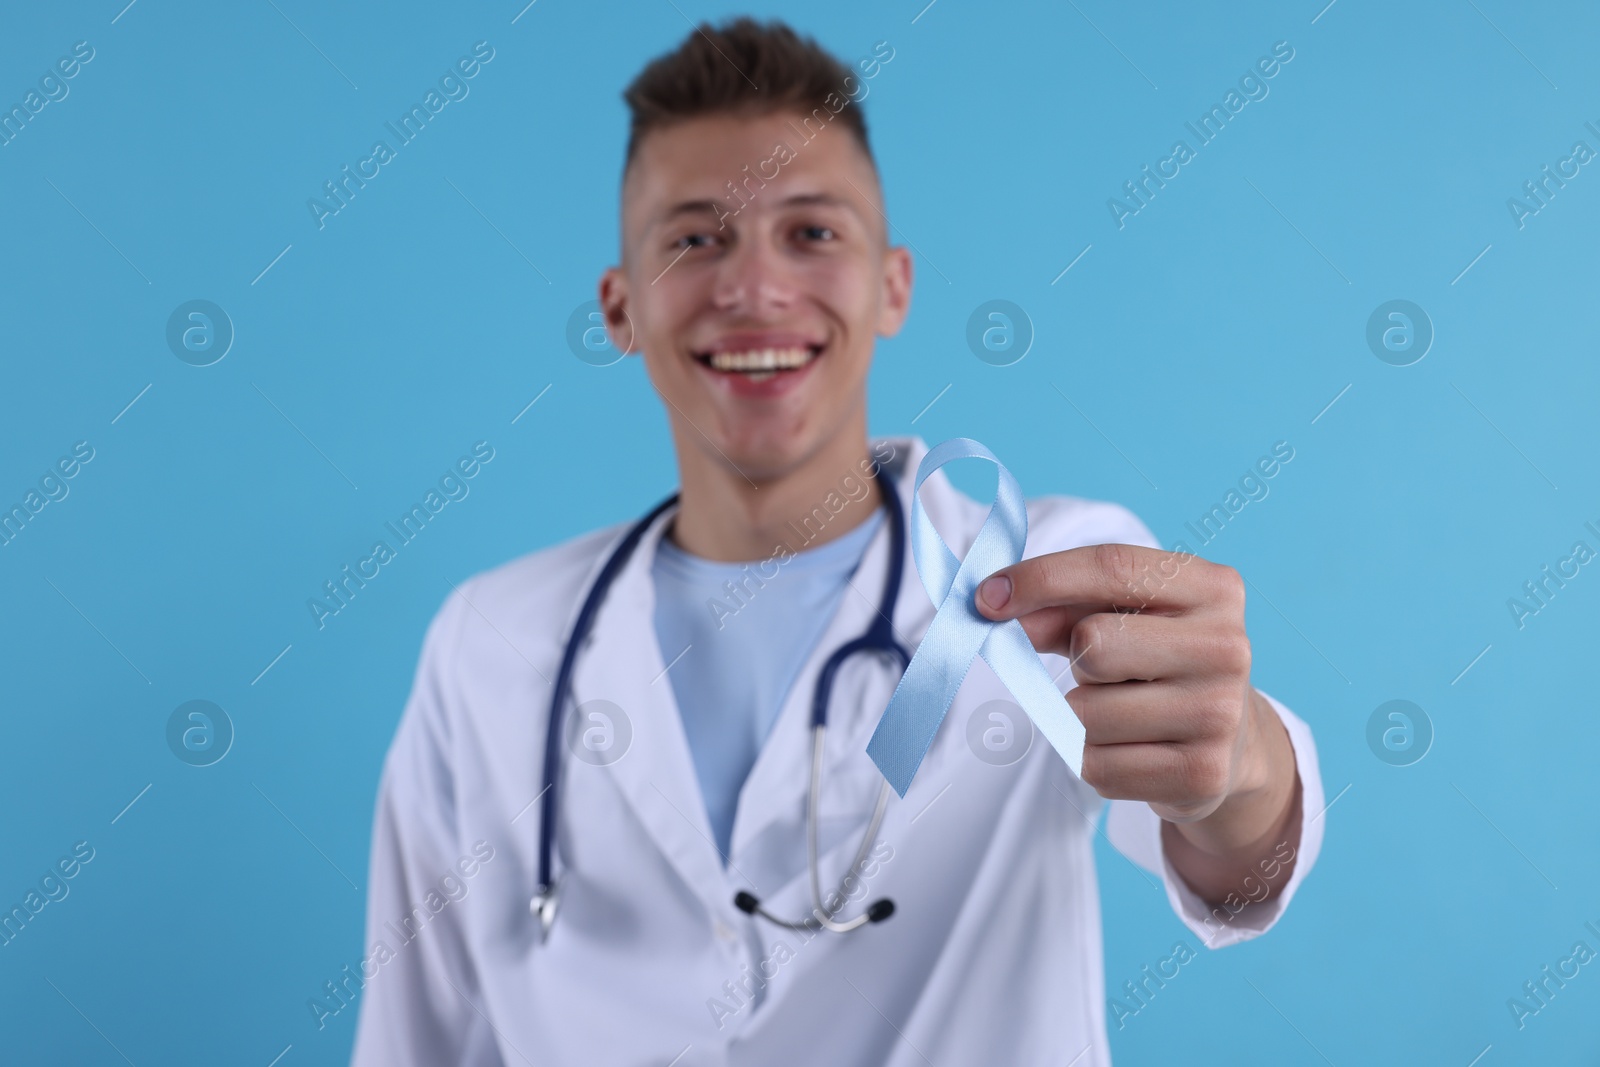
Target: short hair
[{"x": 744, "y": 68}]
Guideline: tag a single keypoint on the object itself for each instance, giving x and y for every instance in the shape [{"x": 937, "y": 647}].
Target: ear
[
  {"x": 895, "y": 294},
  {"x": 614, "y": 307}
]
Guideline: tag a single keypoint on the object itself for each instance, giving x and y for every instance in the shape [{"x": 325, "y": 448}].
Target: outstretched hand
[{"x": 1158, "y": 647}]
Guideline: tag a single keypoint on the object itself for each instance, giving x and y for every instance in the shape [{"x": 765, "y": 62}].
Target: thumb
[{"x": 994, "y": 595}]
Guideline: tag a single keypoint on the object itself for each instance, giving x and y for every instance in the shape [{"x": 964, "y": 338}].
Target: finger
[
  {"x": 1082, "y": 581},
  {"x": 1155, "y": 712},
  {"x": 1121, "y": 647},
  {"x": 1177, "y": 774}
]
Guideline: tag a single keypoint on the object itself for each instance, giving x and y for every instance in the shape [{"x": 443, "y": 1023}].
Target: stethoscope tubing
[{"x": 879, "y": 637}]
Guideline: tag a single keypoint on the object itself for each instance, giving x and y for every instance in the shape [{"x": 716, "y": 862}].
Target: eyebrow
[
  {"x": 716, "y": 208},
  {"x": 688, "y": 207},
  {"x": 823, "y": 199}
]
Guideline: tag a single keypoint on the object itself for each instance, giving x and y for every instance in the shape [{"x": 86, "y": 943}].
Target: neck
[{"x": 731, "y": 516}]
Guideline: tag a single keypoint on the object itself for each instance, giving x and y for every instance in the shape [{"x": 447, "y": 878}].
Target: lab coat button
[{"x": 724, "y": 931}]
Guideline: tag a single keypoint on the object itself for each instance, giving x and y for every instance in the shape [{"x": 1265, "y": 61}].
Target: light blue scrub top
[{"x": 745, "y": 646}]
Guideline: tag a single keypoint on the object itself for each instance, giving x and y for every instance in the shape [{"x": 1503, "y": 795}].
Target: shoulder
[
  {"x": 1057, "y": 523},
  {"x": 536, "y": 594},
  {"x": 546, "y": 571},
  {"x": 497, "y": 637},
  {"x": 519, "y": 609}
]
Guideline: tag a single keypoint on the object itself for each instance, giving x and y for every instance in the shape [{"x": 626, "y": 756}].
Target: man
[{"x": 755, "y": 276}]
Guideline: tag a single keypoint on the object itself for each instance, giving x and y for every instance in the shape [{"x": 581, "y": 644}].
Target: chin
[
  {"x": 763, "y": 456},
  {"x": 762, "y": 419}
]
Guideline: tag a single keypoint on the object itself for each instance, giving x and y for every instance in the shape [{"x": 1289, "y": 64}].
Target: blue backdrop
[{"x": 227, "y": 465}]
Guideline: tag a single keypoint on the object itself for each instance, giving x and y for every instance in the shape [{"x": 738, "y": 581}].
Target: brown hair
[{"x": 741, "y": 68}]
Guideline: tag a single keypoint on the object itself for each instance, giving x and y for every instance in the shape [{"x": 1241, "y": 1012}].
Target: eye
[
  {"x": 693, "y": 240},
  {"x": 817, "y": 233}
]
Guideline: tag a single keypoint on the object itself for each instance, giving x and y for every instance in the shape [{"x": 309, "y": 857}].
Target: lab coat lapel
[
  {"x": 624, "y": 664},
  {"x": 778, "y": 782},
  {"x": 857, "y": 707}
]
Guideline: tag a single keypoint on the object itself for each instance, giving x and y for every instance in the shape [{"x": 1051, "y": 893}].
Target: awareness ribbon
[{"x": 958, "y": 632}]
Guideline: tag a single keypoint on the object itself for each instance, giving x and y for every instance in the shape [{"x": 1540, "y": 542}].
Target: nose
[{"x": 753, "y": 280}]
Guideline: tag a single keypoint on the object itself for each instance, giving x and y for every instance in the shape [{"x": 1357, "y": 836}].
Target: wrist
[{"x": 1258, "y": 809}]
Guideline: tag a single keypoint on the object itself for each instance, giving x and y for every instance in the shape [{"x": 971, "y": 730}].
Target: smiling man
[{"x": 686, "y": 869}]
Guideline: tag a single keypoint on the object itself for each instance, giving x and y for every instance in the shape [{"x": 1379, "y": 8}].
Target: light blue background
[{"x": 1213, "y": 325}]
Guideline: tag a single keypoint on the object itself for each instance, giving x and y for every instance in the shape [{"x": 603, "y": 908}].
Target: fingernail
[{"x": 995, "y": 592}]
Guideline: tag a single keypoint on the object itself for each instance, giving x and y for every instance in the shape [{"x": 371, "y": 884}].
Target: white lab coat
[{"x": 993, "y": 954}]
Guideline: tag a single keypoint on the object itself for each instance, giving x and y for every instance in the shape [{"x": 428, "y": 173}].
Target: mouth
[{"x": 760, "y": 364}]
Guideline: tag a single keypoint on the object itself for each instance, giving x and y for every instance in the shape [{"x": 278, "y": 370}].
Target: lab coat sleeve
[
  {"x": 421, "y": 1006},
  {"x": 1135, "y": 829}
]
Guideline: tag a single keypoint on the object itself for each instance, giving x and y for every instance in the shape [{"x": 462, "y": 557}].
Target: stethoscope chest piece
[{"x": 543, "y": 906}]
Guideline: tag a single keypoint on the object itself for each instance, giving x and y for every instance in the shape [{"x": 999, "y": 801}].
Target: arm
[{"x": 419, "y": 971}]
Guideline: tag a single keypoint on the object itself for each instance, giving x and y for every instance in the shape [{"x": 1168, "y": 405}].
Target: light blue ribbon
[{"x": 958, "y": 632}]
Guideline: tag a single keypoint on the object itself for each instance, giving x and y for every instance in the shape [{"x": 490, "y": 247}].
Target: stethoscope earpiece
[{"x": 876, "y": 912}]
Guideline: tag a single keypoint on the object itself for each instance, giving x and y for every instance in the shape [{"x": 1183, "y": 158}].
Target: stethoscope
[{"x": 878, "y": 637}]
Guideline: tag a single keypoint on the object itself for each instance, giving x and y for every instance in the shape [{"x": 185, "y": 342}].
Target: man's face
[{"x": 756, "y": 313}]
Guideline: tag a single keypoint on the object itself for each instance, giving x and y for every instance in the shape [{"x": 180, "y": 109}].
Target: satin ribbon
[{"x": 958, "y": 633}]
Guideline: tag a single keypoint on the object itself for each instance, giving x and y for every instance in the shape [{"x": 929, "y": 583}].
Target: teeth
[{"x": 761, "y": 363}]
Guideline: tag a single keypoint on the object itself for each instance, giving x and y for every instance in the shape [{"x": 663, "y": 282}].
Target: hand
[{"x": 1157, "y": 644}]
